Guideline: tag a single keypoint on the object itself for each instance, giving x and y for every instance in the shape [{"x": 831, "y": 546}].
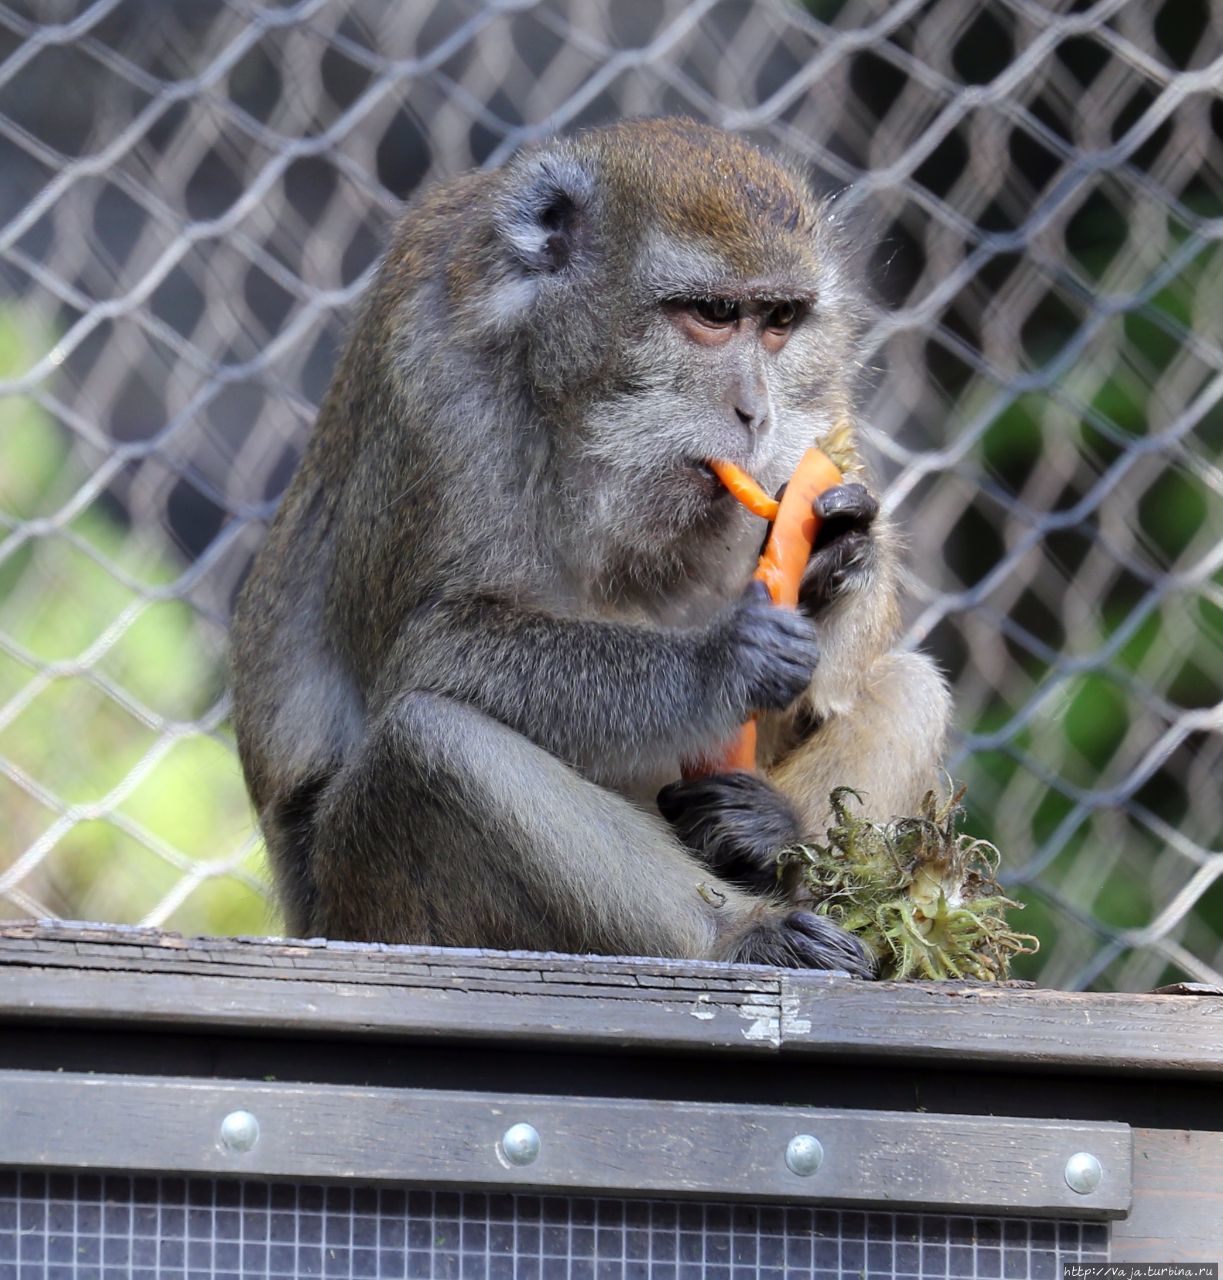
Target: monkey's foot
[
  {"x": 801, "y": 940},
  {"x": 735, "y": 823}
]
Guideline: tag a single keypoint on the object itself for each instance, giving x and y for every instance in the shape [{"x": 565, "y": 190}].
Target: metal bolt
[
  {"x": 239, "y": 1131},
  {"x": 519, "y": 1144},
  {"x": 1083, "y": 1173},
  {"x": 804, "y": 1155}
]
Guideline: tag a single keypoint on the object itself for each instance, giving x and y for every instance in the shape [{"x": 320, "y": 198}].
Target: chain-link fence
[{"x": 193, "y": 192}]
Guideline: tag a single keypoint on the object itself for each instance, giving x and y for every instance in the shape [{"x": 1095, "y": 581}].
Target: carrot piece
[
  {"x": 744, "y": 489},
  {"x": 795, "y": 528},
  {"x": 780, "y": 568},
  {"x": 737, "y": 756}
]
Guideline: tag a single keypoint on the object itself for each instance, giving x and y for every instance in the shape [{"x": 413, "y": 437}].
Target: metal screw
[
  {"x": 239, "y": 1131},
  {"x": 804, "y": 1155},
  {"x": 519, "y": 1144},
  {"x": 1083, "y": 1173}
]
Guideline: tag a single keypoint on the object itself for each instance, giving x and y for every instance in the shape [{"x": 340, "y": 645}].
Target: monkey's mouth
[{"x": 697, "y": 472}]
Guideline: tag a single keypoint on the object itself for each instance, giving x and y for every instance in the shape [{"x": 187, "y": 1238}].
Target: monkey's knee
[
  {"x": 887, "y": 745},
  {"x": 922, "y": 687}
]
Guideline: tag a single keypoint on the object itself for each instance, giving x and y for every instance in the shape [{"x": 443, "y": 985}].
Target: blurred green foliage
[
  {"x": 1154, "y": 650},
  {"x": 102, "y": 672}
]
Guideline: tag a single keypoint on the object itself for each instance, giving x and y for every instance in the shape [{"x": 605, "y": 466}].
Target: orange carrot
[
  {"x": 780, "y": 568},
  {"x": 795, "y": 527},
  {"x": 744, "y": 489}
]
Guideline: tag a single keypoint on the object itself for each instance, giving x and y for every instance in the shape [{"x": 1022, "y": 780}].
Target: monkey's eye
[
  {"x": 716, "y": 310},
  {"x": 782, "y": 316}
]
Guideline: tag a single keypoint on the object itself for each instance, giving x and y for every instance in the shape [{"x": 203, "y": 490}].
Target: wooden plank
[
  {"x": 128, "y": 949},
  {"x": 1178, "y": 1198},
  {"x": 125, "y": 943},
  {"x": 100, "y": 973},
  {"x": 685, "y": 1020},
  {"x": 445, "y": 1138},
  {"x": 1002, "y": 1025}
]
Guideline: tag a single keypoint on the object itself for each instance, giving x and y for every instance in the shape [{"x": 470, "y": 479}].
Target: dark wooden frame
[{"x": 701, "y": 1047}]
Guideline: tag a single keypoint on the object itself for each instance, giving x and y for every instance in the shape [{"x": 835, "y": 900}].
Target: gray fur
[{"x": 500, "y": 601}]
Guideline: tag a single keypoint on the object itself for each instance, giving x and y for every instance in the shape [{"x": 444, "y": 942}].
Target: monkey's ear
[{"x": 544, "y": 212}]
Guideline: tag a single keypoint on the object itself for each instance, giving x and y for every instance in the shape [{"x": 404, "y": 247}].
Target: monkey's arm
[
  {"x": 874, "y": 717},
  {"x": 586, "y": 690},
  {"x": 850, "y": 592},
  {"x": 446, "y": 827}
]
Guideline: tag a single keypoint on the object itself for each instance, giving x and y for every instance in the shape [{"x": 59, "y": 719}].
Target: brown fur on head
[{"x": 706, "y": 186}]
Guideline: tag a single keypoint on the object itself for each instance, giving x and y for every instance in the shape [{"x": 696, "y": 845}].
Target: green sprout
[{"x": 925, "y": 900}]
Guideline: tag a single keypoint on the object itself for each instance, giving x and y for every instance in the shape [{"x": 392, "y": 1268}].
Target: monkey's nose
[
  {"x": 750, "y": 402},
  {"x": 755, "y": 418}
]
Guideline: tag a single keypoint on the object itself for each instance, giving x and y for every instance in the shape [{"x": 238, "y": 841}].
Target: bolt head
[
  {"x": 804, "y": 1155},
  {"x": 1083, "y": 1173},
  {"x": 239, "y": 1131},
  {"x": 519, "y": 1144}
]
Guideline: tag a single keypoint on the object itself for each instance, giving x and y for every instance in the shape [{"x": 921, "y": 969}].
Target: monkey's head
[{"x": 659, "y": 292}]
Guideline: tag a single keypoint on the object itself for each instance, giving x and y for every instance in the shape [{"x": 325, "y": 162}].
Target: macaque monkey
[{"x": 504, "y": 595}]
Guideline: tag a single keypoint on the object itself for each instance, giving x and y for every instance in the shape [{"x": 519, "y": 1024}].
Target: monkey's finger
[
  {"x": 736, "y": 807},
  {"x": 844, "y": 544},
  {"x": 788, "y": 649},
  {"x": 800, "y": 940},
  {"x": 847, "y": 504},
  {"x": 832, "y": 567},
  {"x": 844, "y": 506},
  {"x": 779, "y": 633}
]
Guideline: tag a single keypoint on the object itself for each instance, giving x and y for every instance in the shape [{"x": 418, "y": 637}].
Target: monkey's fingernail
[{"x": 849, "y": 499}]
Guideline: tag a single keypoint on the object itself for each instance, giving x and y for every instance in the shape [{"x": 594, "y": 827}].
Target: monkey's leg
[
  {"x": 888, "y": 744},
  {"x": 449, "y": 828}
]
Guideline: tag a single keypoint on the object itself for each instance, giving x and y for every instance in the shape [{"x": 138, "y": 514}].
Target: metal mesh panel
[
  {"x": 194, "y": 191},
  {"x": 119, "y": 1228}
]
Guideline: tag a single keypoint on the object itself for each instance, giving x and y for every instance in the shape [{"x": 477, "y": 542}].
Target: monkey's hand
[
  {"x": 771, "y": 652},
  {"x": 844, "y": 547},
  {"x": 735, "y": 823}
]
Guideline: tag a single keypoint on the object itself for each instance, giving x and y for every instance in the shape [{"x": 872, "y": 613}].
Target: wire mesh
[{"x": 193, "y": 192}]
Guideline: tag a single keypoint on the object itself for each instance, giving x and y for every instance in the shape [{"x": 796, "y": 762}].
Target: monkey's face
[
  {"x": 681, "y": 300},
  {"x": 711, "y": 366}
]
